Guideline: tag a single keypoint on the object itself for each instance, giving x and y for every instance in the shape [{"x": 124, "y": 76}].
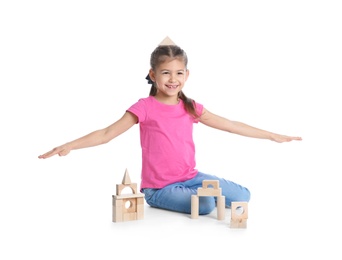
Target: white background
[{"x": 71, "y": 67}]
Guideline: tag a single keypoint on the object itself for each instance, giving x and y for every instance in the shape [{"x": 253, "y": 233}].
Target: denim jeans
[{"x": 177, "y": 196}]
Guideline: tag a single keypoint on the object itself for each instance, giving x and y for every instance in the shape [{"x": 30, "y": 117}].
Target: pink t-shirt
[{"x": 168, "y": 150}]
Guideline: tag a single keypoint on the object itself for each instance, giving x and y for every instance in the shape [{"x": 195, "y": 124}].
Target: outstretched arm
[
  {"x": 97, "y": 137},
  {"x": 239, "y": 128}
]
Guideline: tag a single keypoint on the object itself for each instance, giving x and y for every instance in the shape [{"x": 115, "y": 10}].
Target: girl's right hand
[{"x": 60, "y": 150}]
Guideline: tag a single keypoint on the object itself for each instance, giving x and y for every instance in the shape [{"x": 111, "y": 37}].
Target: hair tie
[{"x": 149, "y": 81}]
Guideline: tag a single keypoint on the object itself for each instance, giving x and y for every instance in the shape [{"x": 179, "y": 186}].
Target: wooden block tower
[
  {"x": 239, "y": 214},
  {"x": 209, "y": 188},
  {"x": 127, "y": 207}
]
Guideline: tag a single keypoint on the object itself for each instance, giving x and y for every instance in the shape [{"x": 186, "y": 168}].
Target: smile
[{"x": 172, "y": 86}]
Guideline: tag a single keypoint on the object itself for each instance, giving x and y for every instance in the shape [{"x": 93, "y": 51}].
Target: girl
[{"x": 166, "y": 118}]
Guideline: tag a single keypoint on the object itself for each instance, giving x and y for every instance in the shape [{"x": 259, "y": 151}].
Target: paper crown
[{"x": 167, "y": 41}]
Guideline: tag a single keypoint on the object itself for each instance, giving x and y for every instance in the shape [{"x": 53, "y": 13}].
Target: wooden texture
[
  {"x": 209, "y": 188},
  {"x": 239, "y": 214},
  {"x": 167, "y": 41},
  {"x": 127, "y": 207}
]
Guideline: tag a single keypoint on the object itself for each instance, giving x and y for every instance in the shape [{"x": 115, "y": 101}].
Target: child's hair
[{"x": 160, "y": 55}]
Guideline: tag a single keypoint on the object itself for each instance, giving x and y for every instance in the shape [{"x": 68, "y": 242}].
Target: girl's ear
[{"x": 152, "y": 75}]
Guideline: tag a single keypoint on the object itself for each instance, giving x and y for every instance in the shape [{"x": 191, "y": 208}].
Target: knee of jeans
[
  {"x": 206, "y": 205},
  {"x": 246, "y": 196}
]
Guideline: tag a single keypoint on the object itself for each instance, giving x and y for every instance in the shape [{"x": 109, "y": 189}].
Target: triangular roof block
[
  {"x": 126, "y": 179},
  {"x": 167, "y": 41}
]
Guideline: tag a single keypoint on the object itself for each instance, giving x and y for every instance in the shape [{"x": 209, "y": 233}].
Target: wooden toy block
[
  {"x": 167, "y": 41},
  {"x": 126, "y": 182},
  {"x": 209, "y": 188},
  {"x": 221, "y": 205},
  {"x": 140, "y": 211},
  {"x": 117, "y": 210},
  {"x": 127, "y": 207},
  {"x": 120, "y": 187},
  {"x": 194, "y": 206},
  {"x": 215, "y": 184},
  {"x": 239, "y": 214},
  {"x": 126, "y": 179},
  {"x": 209, "y": 192}
]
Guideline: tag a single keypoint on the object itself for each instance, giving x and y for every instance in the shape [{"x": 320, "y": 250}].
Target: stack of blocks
[
  {"x": 209, "y": 188},
  {"x": 127, "y": 207},
  {"x": 239, "y": 210}
]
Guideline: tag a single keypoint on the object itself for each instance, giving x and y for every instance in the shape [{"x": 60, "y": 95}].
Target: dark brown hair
[{"x": 160, "y": 55}]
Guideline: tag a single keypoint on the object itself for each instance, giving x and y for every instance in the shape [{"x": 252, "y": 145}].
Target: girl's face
[{"x": 169, "y": 78}]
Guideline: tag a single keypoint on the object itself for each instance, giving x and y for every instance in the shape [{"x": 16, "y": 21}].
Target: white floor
[{"x": 50, "y": 218}]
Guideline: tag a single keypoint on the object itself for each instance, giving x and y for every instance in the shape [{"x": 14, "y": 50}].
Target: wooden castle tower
[{"x": 127, "y": 207}]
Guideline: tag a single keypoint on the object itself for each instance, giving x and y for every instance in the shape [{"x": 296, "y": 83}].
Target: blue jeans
[{"x": 177, "y": 196}]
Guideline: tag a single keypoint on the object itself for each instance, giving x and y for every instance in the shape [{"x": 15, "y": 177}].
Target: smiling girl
[{"x": 169, "y": 176}]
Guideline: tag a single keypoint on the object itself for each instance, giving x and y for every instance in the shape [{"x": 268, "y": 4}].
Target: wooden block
[
  {"x": 239, "y": 210},
  {"x": 117, "y": 210},
  {"x": 126, "y": 196},
  {"x": 209, "y": 192},
  {"x": 130, "y": 205},
  {"x": 132, "y": 186},
  {"x": 129, "y": 216},
  {"x": 117, "y": 201},
  {"x": 194, "y": 206},
  {"x": 221, "y": 206},
  {"x": 117, "y": 214},
  {"x": 126, "y": 179},
  {"x": 140, "y": 212},
  {"x": 238, "y": 223},
  {"x": 209, "y": 188},
  {"x": 167, "y": 41},
  {"x": 140, "y": 200},
  {"x": 206, "y": 184},
  {"x": 239, "y": 214}
]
